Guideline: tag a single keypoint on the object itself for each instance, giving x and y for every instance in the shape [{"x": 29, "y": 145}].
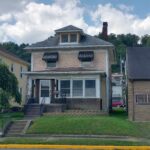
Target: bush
[
  {"x": 4, "y": 100},
  {"x": 16, "y": 109}
]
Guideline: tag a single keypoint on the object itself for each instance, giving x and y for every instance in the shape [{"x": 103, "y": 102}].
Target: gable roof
[
  {"x": 69, "y": 28},
  {"x": 138, "y": 63}
]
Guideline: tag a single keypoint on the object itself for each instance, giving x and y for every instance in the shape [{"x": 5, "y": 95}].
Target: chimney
[{"x": 105, "y": 31}]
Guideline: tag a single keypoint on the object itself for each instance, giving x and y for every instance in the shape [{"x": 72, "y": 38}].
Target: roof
[
  {"x": 10, "y": 55},
  {"x": 85, "y": 41},
  {"x": 69, "y": 70},
  {"x": 138, "y": 63},
  {"x": 69, "y": 28}
]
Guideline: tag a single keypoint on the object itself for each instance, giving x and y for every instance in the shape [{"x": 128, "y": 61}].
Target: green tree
[
  {"x": 16, "y": 49},
  {"x": 9, "y": 83},
  {"x": 145, "y": 40}
]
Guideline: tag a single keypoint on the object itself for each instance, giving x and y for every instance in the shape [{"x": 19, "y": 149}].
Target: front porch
[{"x": 58, "y": 93}]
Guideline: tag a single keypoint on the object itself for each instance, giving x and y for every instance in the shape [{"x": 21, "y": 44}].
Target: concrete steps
[
  {"x": 33, "y": 110},
  {"x": 17, "y": 127}
]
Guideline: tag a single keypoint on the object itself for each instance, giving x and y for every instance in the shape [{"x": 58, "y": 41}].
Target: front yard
[{"x": 115, "y": 124}]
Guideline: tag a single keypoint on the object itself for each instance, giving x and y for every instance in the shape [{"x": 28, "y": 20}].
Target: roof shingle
[{"x": 138, "y": 63}]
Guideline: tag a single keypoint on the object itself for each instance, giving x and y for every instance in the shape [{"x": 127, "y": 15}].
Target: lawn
[
  {"x": 67, "y": 141},
  {"x": 4, "y": 117},
  {"x": 115, "y": 124}
]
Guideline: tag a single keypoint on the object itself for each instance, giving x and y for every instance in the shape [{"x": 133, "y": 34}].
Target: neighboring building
[
  {"x": 138, "y": 70},
  {"x": 117, "y": 89},
  {"x": 74, "y": 63},
  {"x": 16, "y": 66}
]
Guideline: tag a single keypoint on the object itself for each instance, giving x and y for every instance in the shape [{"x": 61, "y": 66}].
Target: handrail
[{"x": 43, "y": 101}]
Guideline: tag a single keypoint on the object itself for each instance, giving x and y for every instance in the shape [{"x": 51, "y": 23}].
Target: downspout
[{"x": 133, "y": 116}]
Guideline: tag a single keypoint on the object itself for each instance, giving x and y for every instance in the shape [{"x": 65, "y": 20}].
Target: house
[
  {"x": 74, "y": 65},
  {"x": 117, "y": 89},
  {"x": 138, "y": 71},
  {"x": 16, "y": 66}
]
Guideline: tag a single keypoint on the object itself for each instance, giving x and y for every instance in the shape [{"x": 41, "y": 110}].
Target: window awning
[
  {"x": 50, "y": 57},
  {"x": 86, "y": 56}
]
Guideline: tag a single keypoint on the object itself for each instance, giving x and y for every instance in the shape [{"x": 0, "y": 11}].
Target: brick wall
[
  {"x": 69, "y": 59},
  {"x": 138, "y": 112}
]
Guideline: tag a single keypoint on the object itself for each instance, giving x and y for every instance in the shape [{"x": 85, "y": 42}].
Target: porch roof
[{"x": 69, "y": 70}]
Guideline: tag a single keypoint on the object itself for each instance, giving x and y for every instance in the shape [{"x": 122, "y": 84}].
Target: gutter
[{"x": 60, "y": 73}]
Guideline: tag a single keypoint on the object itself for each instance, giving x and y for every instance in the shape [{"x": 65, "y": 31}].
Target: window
[
  {"x": 90, "y": 88},
  {"x": 73, "y": 37},
  {"x": 64, "y": 38},
  {"x": 86, "y": 64},
  {"x": 142, "y": 99},
  {"x": 65, "y": 87},
  {"x": 20, "y": 91},
  {"x": 12, "y": 67},
  {"x": 45, "y": 88},
  {"x": 77, "y": 88},
  {"x": 51, "y": 64},
  {"x": 21, "y": 71}
]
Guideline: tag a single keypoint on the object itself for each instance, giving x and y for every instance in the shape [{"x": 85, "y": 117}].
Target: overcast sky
[{"x": 29, "y": 21}]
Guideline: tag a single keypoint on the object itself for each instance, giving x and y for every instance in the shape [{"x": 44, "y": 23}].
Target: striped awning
[
  {"x": 50, "y": 57},
  {"x": 86, "y": 56}
]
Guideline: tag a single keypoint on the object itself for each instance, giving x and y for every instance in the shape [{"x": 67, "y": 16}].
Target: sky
[{"x": 30, "y": 21}]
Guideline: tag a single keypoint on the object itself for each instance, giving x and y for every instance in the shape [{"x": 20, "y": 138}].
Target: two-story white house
[{"x": 74, "y": 66}]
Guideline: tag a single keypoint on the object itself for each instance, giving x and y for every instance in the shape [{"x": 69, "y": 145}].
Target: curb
[{"x": 38, "y": 146}]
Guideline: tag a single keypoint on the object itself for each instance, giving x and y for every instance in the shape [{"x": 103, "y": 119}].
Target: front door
[{"x": 45, "y": 90}]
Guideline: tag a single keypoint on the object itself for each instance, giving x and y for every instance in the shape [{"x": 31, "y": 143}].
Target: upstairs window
[
  {"x": 64, "y": 38},
  {"x": 73, "y": 38},
  {"x": 51, "y": 64},
  {"x": 21, "y": 72}
]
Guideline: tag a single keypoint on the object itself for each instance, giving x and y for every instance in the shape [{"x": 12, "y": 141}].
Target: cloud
[
  {"x": 30, "y": 21},
  {"x": 37, "y": 21},
  {"x": 121, "y": 20}
]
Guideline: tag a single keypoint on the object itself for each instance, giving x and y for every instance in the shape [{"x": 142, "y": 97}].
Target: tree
[
  {"x": 16, "y": 49},
  {"x": 145, "y": 40},
  {"x": 8, "y": 85}
]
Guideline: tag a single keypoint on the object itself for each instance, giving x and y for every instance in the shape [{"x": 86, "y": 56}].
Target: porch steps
[
  {"x": 33, "y": 110},
  {"x": 17, "y": 128}
]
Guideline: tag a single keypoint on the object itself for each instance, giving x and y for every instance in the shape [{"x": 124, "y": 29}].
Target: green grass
[
  {"x": 10, "y": 116},
  {"x": 115, "y": 124},
  {"x": 70, "y": 141}
]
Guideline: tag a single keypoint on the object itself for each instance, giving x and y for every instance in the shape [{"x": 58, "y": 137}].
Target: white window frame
[
  {"x": 82, "y": 88},
  {"x": 59, "y": 82},
  {"x": 97, "y": 84},
  {"x": 69, "y": 36}
]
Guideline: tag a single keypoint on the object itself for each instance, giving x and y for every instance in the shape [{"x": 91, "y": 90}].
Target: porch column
[
  {"x": 29, "y": 87},
  {"x": 37, "y": 87}
]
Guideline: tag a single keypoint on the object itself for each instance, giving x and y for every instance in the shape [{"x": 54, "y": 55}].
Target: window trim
[
  {"x": 82, "y": 88},
  {"x": 61, "y": 38},
  {"x": 142, "y": 103},
  {"x": 70, "y": 95},
  {"x": 85, "y": 88},
  {"x": 69, "y": 38},
  {"x": 97, "y": 86},
  {"x": 76, "y": 37},
  {"x": 51, "y": 66}
]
